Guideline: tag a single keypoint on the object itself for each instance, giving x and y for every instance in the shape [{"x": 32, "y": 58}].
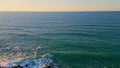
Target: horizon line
[{"x": 68, "y": 11}]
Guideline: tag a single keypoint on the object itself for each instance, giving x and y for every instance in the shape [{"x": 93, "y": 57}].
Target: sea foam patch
[{"x": 46, "y": 61}]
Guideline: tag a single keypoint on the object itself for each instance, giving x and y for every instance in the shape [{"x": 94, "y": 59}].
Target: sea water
[{"x": 85, "y": 38}]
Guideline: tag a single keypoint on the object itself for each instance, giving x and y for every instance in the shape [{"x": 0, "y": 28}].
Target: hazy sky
[{"x": 59, "y": 5}]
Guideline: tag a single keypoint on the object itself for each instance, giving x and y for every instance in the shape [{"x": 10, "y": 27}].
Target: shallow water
[{"x": 89, "y": 33}]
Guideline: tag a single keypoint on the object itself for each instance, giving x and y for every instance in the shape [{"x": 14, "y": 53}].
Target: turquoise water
[{"x": 92, "y": 37}]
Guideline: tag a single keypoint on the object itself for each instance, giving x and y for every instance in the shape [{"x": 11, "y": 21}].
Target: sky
[{"x": 59, "y": 5}]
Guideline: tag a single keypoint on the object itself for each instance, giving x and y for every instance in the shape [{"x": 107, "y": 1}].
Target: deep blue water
[{"x": 60, "y": 32}]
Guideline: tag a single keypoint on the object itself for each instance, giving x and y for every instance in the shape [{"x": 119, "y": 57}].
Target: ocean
[{"x": 75, "y": 39}]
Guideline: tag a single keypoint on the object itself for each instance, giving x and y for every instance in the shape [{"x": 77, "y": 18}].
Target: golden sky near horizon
[{"x": 59, "y": 5}]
